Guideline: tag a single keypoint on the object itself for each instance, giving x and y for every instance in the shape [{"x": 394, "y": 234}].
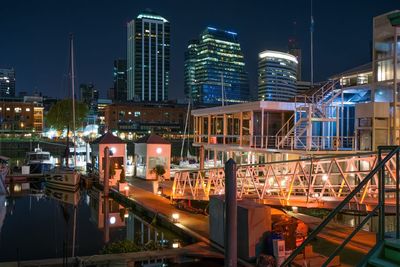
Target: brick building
[
  {"x": 142, "y": 118},
  {"x": 21, "y": 117}
]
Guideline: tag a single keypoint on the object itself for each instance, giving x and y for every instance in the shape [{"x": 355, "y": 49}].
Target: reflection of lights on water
[
  {"x": 17, "y": 188},
  {"x": 87, "y": 200},
  {"x": 5, "y": 203},
  {"x": 113, "y": 220},
  {"x": 175, "y": 217}
]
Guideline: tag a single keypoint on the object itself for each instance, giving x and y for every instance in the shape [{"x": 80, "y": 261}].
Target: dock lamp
[
  {"x": 176, "y": 244},
  {"x": 160, "y": 191},
  {"x": 175, "y": 217}
]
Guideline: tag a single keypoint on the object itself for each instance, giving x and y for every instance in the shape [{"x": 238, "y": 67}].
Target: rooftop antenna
[{"x": 312, "y": 45}]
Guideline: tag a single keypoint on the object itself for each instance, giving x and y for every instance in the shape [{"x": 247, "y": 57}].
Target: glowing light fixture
[
  {"x": 158, "y": 150},
  {"x": 276, "y": 54},
  {"x": 113, "y": 150},
  {"x": 112, "y": 220},
  {"x": 175, "y": 217},
  {"x": 324, "y": 177}
]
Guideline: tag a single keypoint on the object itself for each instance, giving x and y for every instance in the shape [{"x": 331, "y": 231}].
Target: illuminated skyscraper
[
  {"x": 215, "y": 64},
  {"x": 295, "y": 50},
  {"x": 7, "y": 83},
  {"x": 148, "y": 57},
  {"x": 276, "y": 76},
  {"x": 119, "y": 76}
]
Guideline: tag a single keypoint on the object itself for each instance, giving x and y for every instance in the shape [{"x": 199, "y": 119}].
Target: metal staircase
[
  {"x": 318, "y": 107},
  {"x": 386, "y": 252}
]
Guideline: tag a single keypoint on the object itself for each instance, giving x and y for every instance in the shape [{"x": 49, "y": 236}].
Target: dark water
[{"x": 39, "y": 224}]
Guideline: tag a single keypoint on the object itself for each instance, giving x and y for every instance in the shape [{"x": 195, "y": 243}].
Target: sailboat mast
[
  {"x": 186, "y": 129},
  {"x": 73, "y": 96},
  {"x": 73, "y": 132},
  {"x": 312, "y": 45}
]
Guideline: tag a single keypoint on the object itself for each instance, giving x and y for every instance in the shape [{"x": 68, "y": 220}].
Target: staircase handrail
[
  {"x": 301, "y": 120},
  {"x": 381, "y": 203},
  {"x": 320, "y": 94},
  {"x": 285, "y": 125}
]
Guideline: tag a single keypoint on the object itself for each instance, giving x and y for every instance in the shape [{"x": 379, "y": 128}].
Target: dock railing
[{"x": 381, "y": 168}]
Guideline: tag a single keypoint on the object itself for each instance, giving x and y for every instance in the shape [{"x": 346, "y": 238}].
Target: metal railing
[
  {"x": 311, "y": 182},
  {"x": 379, "y": 169}
]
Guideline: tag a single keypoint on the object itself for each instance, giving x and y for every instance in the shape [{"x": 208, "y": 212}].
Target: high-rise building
[
  {"x": 120, "y": 89},
  {"x": 7, "y": 82},
  {"x": 214, "y": 64},
  {"x": 148, "y": 57},
  {"x": 276, "y": 76},
  {"x": 89, "y": 95},
  {"x": 295, "y": 50}
]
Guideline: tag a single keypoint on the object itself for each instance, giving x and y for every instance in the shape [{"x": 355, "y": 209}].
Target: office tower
[
  {"x": 276, "y": 76},
  {"x": 148, "y": 57},
  {"x": 89, "y": 95},
  {"x": 120, "y": 89},
  {"x": 214, "y": 64},
  {"x": 295, "y": 50},
  {"x": 7, "y": 82}
]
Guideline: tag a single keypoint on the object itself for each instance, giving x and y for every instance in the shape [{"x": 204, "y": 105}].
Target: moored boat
[
  {"x": 39, "y": 161},
  {"x": 63, "y": 178}
]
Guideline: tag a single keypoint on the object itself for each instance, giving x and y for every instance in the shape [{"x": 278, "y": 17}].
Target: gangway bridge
[{"x": 321, "y": 182}]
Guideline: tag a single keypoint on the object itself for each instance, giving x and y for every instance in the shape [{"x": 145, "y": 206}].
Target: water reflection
[{"x": 38, "y": 222}]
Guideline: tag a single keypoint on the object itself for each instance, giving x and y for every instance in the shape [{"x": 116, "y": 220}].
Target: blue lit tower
[{"x": 214, "y": 64}]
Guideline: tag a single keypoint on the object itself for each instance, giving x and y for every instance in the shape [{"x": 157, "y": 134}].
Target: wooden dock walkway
[{"x": 197, "y": 250}]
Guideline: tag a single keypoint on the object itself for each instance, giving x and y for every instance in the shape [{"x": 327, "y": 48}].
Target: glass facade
[
  {"x": 120, "y": 87},
  {"x": 7, "y": 83},
  {"x": 215, "y": 64},
  {"x": 277, "y": 73},
  {"x": 148, "y": 58}
]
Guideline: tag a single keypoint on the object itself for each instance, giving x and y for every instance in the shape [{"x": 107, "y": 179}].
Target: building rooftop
[
  {"x": 354, "y": 71},
  {"x": 108, "y": 138},
  {"x": 248, "y": 106},
  {"x": 150, "y": 14}
]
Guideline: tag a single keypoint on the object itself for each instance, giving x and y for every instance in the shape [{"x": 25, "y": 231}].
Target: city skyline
[{"x": 38, "y": 50}]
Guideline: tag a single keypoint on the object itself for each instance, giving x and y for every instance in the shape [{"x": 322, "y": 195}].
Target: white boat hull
[{"x": 63, "y": 179}]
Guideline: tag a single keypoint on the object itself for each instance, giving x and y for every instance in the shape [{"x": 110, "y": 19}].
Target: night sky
[{"x": 34, "y": 35}]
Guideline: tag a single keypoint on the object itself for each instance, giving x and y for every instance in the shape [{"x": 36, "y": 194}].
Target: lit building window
[
  {"x": 137, "y": 113},
  {"x": 8, "y": 109},
  {"x": 18, "y": 110},
  {"x": 28, "y": 109}
]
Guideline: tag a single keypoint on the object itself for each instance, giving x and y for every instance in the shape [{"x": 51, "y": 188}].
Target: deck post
[
  {"x": 201, "y": 152},
  {"x": 230, "y": 214},
  {"x": 106, "y": 171}
]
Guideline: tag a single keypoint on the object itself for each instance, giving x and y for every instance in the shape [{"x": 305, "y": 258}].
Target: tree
[
  {"x": 60, "y": 117},
  {"x": 60, "y": 114},
  {"x": 158, "y": 170}
]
